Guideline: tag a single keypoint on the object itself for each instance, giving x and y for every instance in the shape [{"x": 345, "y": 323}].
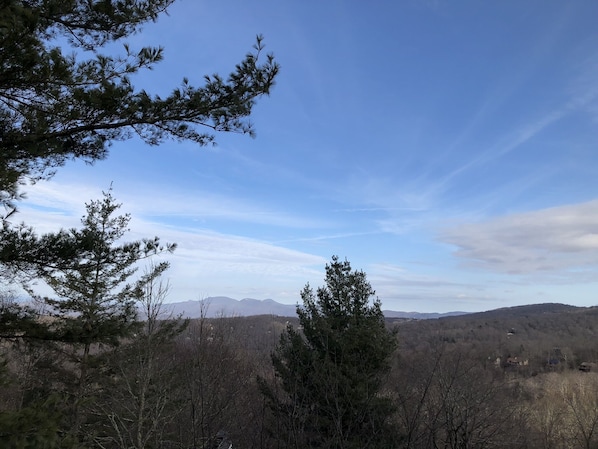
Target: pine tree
[
  {"x": 331, "y": 371},
  {"x": 61, "y": 98},
  {"x": 95, "y": 296}
]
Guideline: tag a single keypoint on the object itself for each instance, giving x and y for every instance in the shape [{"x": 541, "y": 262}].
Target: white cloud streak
[
  {"x": 147, "y": 201},
  {"x": 556, "y": 240},
  {"x": 205, "y": 262}
]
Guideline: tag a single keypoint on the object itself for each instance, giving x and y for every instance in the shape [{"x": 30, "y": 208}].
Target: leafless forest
[{"x": 512, "y": 378}]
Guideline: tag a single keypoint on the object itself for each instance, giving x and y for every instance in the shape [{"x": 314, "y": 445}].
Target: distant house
[
  {"x": 586, "y": 367},
  {"x": 513, "y": 362}
]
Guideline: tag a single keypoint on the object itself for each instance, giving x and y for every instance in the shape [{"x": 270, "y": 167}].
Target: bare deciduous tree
[{"x": 140, "y": 397}]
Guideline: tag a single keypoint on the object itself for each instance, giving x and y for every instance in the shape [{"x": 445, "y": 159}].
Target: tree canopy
[
  {"x": 62, "y": 98},
  {"x": 332, "y": 369},
  {"x": 65, "y": 94},
  {"x": 95, "y": 302}
]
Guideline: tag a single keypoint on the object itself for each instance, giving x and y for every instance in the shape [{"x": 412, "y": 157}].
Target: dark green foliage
[
  {"x": 331, "y": 373},
  {"x": 33, "y": 427},
  {"x": 30, "y": 427},
  {"x": 88, "y": 270},
  {"x": 95, "y": 303},
  {"x": 19, "y": 321},
  {"x": 61, "y": 98},
  {"x": 58, "y": 103}
]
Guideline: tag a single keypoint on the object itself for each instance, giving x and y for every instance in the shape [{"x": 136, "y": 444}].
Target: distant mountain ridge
[
  {"x": 224, "y": 306},
  {"x": 421, "y": 315}
]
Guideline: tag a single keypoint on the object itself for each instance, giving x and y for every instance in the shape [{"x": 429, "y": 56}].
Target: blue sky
[{"x": 447, "y": 148}]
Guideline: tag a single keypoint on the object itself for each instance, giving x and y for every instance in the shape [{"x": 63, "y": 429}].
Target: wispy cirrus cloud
[
  {"x": 223, "y": 264},
  {"x": 399, "y": 277},
  {"x": 206, "y": 262},
  {"x": 68, "y": 199},
  {"x": 583, "y": 91}
]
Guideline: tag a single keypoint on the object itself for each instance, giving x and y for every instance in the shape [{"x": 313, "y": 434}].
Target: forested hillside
[
  {"x": 188, "y": 384},
  {"x": 543, "y": 336}
]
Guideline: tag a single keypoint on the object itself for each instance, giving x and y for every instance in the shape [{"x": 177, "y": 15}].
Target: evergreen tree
[
  {"x": 32, "y": 427},
  {"x": 61, "y": 98},
  {"x": 96, "y": 294},
  {"x": 331, "y": 371}
]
